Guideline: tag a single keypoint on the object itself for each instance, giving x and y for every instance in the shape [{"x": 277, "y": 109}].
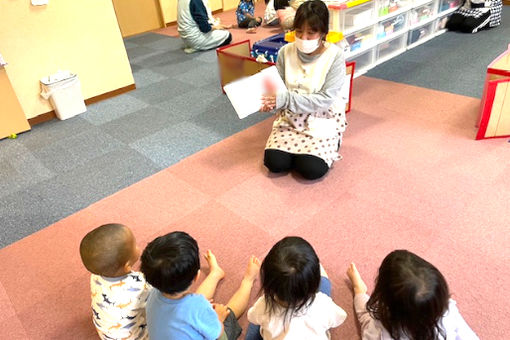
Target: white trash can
[{"x": 63, "y": 89}]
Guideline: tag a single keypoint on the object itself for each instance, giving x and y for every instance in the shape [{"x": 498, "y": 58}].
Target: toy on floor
[{"x": 475, "y": 15}]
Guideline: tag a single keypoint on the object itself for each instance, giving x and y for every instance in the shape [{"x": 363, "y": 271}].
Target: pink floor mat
[{"x": 412, "y": 176}]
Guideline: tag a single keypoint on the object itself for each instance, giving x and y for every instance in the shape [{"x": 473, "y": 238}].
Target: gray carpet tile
[
  {"x": 166, "y": 44},
  {"x": 160, "y": 58},
  {"x": 161, "y": 91},
  {"x": 206, "y": 56},
  {"x": 129, "y": 45},
  {"x": 19, "y": 168},
  {"x": 138, "y": 53},
  {"x": 145, "y": 122},
  {"x": 452, "y": 62},
  {"x": 53, "y": 199},
  {"x": 146, "y": 38},
  {"x": 48, "y": 132},
  {"x": 144, "y": 77},
  {"x": 113, "y": 108},
  {"x": 223, "y": 120},
  {"x": 179, "y": 66},
  {"x": 74, "y": 151},
  {"x": 201, "y": 76},
  {"x": 170, "y": 145},
  {"x": 195, "y": 102}
]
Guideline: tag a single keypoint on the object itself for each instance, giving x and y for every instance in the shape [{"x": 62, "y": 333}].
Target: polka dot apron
[{"x": 317, "y": 133}]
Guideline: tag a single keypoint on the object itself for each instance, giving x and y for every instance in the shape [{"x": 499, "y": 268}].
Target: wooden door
[{"x": 138, "y": 16}]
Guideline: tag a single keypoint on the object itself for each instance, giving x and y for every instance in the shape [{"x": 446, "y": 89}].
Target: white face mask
[{"x": 307, "y": 46}]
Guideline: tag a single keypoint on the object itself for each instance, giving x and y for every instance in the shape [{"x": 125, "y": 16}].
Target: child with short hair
[
  {"x": 171, "y": 264},
  {"x": 118, "y": 293},
  {"x": 296, "y": 302},
  {"x": 410, "y": 301},
  {"x": 245, "y": 16}
]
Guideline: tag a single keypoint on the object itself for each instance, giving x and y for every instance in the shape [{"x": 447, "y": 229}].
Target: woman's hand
[
  {"x": 269, "y": 98},
  {"x": 268, "y": 103}
]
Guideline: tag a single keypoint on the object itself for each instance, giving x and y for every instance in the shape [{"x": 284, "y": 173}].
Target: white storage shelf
[{"x": 379, "y": 30}]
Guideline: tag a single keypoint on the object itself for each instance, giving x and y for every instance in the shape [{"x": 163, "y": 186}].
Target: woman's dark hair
[
  {"x": 410, "y": 297},
  {"x": 171, "y": 262},
  {"x": 315, "y": 14},
  {"x": 290, "y": 276}
]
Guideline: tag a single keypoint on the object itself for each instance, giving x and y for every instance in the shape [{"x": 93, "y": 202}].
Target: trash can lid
[{"x": 56, "y": 77}]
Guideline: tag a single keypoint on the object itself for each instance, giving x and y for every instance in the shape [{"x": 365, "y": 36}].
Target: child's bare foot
[
  {"x": 323, "y": 272},
  {"x": 228, "y": 26},
  {"x": 251, "y": 30},
  {"x": 214, "y": 268},
  {"x": 358, "y": 285},
  {"x": 253, "y": 269}
]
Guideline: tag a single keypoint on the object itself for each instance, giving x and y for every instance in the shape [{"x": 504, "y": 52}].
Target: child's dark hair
[
  {"x": 290, "y": 276},
  {"x": 410, "y": 297},
  {"x": 171, "y": 262},
  {"x": 106, "y": 249},
  {"x": 315, "y": 14}
]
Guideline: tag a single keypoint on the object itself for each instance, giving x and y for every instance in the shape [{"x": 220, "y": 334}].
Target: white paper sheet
[{"x": 245, "y": 94}]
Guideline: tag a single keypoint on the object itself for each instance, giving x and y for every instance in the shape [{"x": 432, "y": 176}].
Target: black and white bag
[{"x": 475, "y": 15}]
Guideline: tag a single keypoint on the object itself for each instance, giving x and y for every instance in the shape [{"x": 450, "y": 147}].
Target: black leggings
[
  {"x": 250, "y": 22},
  {"x": 309, "y": 166}
]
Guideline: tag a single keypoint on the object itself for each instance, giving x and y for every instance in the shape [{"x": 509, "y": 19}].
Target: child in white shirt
[
  {"x": 410, "y": 301},
  {"x": 295, "y": 303},
  {"x": 118, "y": 293}
]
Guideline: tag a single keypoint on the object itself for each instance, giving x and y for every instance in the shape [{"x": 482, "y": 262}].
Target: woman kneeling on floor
[{"x": 307, "y": 132}]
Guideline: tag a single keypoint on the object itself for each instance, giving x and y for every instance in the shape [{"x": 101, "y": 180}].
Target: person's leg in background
[
  {"x": 253, "y": 332},
  {"x": 325, "y": 285}
]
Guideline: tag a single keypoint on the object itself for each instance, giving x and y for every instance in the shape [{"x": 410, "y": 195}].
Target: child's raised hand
[
  {"x": 358, "y": 285},
  {"x": 221, "y": 310}
]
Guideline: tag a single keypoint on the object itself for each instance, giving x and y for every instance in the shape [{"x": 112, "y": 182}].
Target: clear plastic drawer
[
  {"x": 391, "y": 26},
  {"x": 391, "y": 48},
  {"x": 360, "y": 40},
  {"x": 420, "y": 33},
  {"x": 364, "y": 61},
  {"x": 421, "y": 14}
]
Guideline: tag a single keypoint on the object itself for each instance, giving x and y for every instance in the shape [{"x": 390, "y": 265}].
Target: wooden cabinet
[{"x": 12, "y": 118}]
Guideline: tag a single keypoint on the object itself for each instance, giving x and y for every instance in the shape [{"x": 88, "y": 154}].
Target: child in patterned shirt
[
  {"x": 245, "y": 16},
  {"x": 119, "y": 294}
]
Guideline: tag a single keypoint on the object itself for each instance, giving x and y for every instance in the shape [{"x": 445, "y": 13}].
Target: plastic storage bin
[
  {"x": 387, "y": 7},
  {"x": 358, "y": 16},
  {"x": 420, "y": 33},
  {"x": 441, "y": 23},
  {"x": 391, "y": 48},
  {"x": 445, "y": 5},
  {"x": 269, "y": 47},
  {"x": 421, "y": 14},
  {"x": 364, "y": 61},
  {"x": 360, "y": 40},
  {"x": 343, "y": 16},
  {"x": 64, "y": 93},
  {"x": 391, "y": 26}
]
